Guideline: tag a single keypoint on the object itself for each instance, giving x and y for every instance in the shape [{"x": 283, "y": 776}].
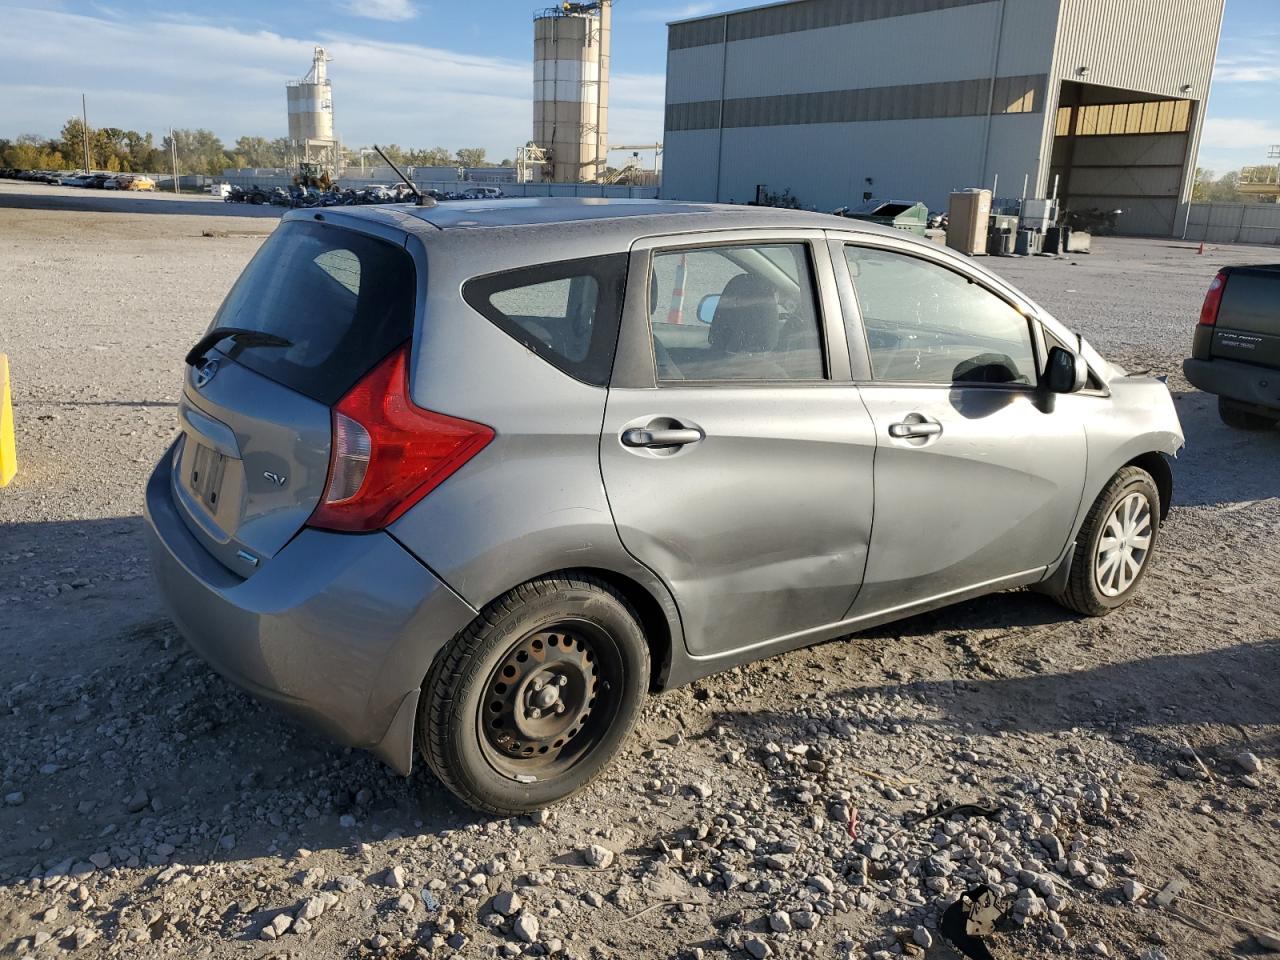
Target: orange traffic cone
[{"x": 1200, "y": 252}]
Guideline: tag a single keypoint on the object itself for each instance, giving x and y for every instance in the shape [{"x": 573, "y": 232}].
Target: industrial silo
[
  {"x": 311, "y": 112},
  {"x": 571, "y": 89}
]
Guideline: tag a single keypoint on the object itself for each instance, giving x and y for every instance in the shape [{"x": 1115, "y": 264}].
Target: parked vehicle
[
  {"x": 1235, "y": 353},
  {"x": 479, "y": 479},
  {"x": 138, "y": 182},
  {"x": 222, "y": 190},
  {"x": 482, "y": 193}
]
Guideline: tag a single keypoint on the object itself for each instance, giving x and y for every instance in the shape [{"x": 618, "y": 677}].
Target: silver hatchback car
[{"x": 477, "y": 477}]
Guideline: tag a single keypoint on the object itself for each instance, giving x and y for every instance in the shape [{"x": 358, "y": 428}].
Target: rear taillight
[
  {"x": 388, "y": 454},
  {"x": 1213, "y": 299}
]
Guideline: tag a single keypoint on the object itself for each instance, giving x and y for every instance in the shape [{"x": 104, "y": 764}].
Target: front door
[
  {"x": 737, "y": 464},
  {"x": 975, "y": 483}
]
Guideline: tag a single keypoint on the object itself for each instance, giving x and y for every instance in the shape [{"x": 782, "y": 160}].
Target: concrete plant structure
[
  {"x": 571, "y": 90},
  {"x": 843, "y": 100},
  {"x": 310, "y": 102}
]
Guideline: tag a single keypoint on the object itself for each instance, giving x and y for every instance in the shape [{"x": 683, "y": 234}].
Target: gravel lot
[{"x": 150, "y": 809}]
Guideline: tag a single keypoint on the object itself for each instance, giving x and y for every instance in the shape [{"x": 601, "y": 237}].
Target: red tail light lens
[
  {"x": 388, "y": 454},
  {"x": 1213, "y": 299}
]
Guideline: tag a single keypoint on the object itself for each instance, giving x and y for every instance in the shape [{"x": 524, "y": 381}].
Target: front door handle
[
  {"x": 669, "y": 437},
  {"x": 915, "y": 430}
]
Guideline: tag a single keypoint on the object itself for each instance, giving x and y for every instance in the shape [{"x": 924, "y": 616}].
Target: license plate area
[{"x": 208, "y": 467}]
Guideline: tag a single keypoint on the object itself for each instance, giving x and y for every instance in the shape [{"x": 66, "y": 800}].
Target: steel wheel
[
  {"x": 1124, "y": 545},
  {"x": 548, "y": 701}
]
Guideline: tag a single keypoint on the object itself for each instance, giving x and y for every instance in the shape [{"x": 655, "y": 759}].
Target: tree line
[
  {"x": 199, "y": 151},
  {"x": 1211, "y": 188}
]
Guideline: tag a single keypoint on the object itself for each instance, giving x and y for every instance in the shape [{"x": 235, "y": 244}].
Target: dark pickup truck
[{"x": 1236, "y": 350}]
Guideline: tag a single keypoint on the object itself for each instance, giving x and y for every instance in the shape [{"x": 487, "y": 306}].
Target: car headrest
[{"x": 746, "y": 318}]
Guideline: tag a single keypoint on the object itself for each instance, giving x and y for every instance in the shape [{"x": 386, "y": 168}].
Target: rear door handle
[
  {"x": 670, "y": 437},
  {"x": 911, "y": 431}
]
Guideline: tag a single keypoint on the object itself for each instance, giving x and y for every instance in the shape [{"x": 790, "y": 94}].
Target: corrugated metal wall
[{"x": 1155, "y": 46}]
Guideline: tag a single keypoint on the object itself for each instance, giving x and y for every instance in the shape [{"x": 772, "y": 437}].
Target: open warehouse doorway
[{"x": 1116, "y": 149}]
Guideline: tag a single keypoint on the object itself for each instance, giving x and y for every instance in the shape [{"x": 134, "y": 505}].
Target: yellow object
[{"x": 8, "y": 454}]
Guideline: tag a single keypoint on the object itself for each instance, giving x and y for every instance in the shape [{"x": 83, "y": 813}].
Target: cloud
[
  {"x": 205, "y": 74},
  {"x": 1246, "y": 69},
  {"x": 393, "y": 10},
  {"x": 667, "y": 14},
  {"x": 1238, "y": 133}
]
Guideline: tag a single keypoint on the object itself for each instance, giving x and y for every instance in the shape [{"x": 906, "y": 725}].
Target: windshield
[{"x": 342, "y": 299}]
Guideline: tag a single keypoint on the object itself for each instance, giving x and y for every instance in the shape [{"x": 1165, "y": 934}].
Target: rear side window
[
  {"x": 344, "y": 301},
  {"x": 565, "y": 312}
]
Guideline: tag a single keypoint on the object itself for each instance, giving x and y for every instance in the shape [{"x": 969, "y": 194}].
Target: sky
[{"x": 422, "y": 73}]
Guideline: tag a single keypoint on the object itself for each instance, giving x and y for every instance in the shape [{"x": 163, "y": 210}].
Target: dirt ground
[{"x": 150, "y": 809}]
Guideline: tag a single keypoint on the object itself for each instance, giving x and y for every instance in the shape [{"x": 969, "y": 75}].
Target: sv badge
[{"x": 278, "y": 479}]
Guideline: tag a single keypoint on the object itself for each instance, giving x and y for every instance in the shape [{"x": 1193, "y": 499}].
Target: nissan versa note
[{"x": 476, "y": 477}]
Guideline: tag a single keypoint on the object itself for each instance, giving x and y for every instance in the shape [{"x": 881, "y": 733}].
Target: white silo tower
[
  {"x": 311, "y": 113},
  {"x": 571, "y": 89}
]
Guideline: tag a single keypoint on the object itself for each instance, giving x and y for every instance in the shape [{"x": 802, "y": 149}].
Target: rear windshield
[{"x": 344, "y": 300}]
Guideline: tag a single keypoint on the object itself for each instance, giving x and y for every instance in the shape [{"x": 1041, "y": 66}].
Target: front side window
[
  {"x": 565, "y": 312},
  {"x": 927, "y": 324},
  {"x": 743, "y": 312}
]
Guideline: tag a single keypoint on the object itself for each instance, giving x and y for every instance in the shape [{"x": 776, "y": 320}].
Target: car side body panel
[{"x": 532, "y": 502}]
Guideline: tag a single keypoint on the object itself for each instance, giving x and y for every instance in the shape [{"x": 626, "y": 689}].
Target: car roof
[{"x": 635, "y": 217}]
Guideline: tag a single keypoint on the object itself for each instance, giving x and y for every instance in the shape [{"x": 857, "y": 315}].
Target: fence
[{"x": 1234, "y": 223}]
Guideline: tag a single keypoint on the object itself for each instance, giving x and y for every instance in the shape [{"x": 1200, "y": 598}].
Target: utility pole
[
  {"x": 84, "y": 130},
  {"x": 173, "y": 152}
]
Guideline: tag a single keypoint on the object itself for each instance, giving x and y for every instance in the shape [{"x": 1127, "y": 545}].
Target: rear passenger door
[
  {"x": 736, "y": 453},
  {"x": 976, "y": 480}
]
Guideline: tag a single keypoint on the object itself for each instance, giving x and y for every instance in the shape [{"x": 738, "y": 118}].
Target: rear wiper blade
[{"x": 243, "y": 336}]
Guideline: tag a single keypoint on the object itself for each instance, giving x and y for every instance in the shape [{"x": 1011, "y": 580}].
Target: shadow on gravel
[
  {"x": 1220, "y": 465},
  {"x": 1232, "y": 687},
  {"x": 154, "y": 759}
]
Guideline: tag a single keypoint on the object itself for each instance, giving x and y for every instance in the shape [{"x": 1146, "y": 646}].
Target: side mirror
[
  {"x": 1066, "y": 372},
  {"x": 707, "y": 307}
]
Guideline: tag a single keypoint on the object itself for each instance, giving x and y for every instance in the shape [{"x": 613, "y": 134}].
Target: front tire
[
  {"x": 537, "y": 696},
  {"x": 1239, "y": 418},
  {"x": 1113, "y": 551}
]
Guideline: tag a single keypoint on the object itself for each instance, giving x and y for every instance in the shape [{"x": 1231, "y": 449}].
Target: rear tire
[
  {"x": 536, "y": 697},
  {"x": 1239, "y": 418},
  {"x": 1119, "y": 533}
]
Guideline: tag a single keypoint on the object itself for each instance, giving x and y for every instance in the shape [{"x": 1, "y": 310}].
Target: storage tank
[
  {"x": 571, "y": 89},
  {"x": 311, "y": 105}
]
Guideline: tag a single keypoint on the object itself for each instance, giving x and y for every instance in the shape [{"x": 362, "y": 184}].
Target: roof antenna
[{"x": 423, "y": 200}]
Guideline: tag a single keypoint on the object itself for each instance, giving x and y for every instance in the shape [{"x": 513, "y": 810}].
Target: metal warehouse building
[{"x": 843, "y": 100}]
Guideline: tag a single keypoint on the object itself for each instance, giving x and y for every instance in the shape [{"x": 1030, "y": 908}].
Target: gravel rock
[
  {"x": 757, "y": 948},
  {"x": 1268, "y": 941},
  {"x": 276, "y": 928},
  {"x": 1133, "y": 890},
  {"x": 780, "y": 922},
  {"x": 1248, "y": 762},
  {"x": 526, "y": 927},
  {"x": 507, "y": 902},
  {"x": 597, "y": 856},
  {"x": 395, "y": 878},
  {"x": 922, "y": 937}
]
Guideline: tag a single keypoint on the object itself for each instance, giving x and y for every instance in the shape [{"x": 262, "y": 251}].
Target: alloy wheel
[{"x": 1124, "y": 545}]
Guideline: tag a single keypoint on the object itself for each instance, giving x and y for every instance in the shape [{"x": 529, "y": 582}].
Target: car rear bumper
[
  {"x": 336, "y": 629},
  {"x": 1245, "y": 382}
]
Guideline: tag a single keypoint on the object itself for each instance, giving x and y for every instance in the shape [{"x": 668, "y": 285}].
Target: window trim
[
  {"x": 1032, "y": 321},
  {"x": 609, "y": 270},
  {"x": 693, "y": 244}
]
